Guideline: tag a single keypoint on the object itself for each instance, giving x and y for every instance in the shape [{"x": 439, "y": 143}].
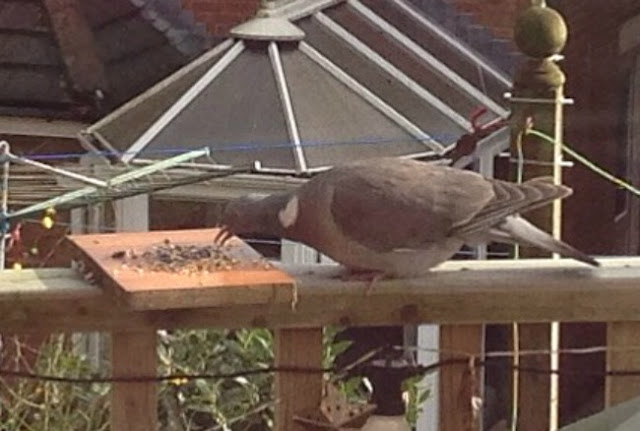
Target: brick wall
[
  {"x": 222, "y": 15},
  {"x": 497, "y": 15},
  {"x": 596, "y": 78}
]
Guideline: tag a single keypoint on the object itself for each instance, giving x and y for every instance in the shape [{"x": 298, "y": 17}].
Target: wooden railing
[{"x": 466, "y": 293}]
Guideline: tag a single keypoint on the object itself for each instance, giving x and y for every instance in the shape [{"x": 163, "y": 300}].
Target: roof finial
[
  {"x": 540, "y": 32},
  {"x": 265, "y": 27}
]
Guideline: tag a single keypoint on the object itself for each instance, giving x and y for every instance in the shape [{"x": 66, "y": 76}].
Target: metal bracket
[
  {"x": 564, "y": 164},
  {"x": 514, "y": 99}
]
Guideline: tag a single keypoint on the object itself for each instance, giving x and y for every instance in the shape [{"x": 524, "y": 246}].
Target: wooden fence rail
[{"x": 463, "y": 293}]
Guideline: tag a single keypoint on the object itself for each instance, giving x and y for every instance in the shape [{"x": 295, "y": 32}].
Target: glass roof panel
[
  {"x": 238, "y": 116},
  {"x": 336, "y": 124},
  {"x": 431, "y": 120}
]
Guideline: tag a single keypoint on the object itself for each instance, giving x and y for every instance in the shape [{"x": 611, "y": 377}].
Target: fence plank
[
  {"x": 534, "y": 389},
  {"x": 456, "y": 384},
  {"x": 297, "y": 391},
  {"x": 134, "y": 405},
  {"x": 621, "y": 335}
]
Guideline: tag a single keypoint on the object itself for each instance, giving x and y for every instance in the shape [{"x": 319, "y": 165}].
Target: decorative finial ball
[{"x": 540, "y": 32}]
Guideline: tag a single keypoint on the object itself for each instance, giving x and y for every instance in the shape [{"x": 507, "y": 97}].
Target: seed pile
[{"x": 187, "y": 259}]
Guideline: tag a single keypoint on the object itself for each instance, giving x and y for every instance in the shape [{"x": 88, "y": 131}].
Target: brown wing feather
[
  {"x": 535, "y": 193},
  {"x": 392, "y": 203}
]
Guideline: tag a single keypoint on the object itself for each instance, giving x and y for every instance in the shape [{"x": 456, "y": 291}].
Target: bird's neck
[{"x": 269, "y": 210}]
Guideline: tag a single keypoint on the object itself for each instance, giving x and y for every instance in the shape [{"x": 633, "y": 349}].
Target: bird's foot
[
  {"x": 223, "y": 236},
  {"x": 368, "y": 276}
]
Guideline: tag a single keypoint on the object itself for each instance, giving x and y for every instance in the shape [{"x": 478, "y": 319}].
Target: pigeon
[{"x": 399, "y": 217}]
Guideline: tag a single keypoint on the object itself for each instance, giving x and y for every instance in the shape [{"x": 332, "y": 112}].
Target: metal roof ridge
[{"x": 287, "y": 105}]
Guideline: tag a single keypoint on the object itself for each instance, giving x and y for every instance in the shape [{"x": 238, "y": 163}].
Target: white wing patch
[{"x": 289, "y": 214}]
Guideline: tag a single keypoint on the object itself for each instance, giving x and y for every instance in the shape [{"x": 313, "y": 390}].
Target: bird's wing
[
  {"x": 403, "y": 205},
  {"x": 512, "y": 198}
]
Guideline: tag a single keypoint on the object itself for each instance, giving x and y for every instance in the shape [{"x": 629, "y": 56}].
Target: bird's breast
[{"x": 397, "y": 263}]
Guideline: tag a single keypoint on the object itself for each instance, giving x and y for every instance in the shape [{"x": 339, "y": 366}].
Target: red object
[
  {"x": 16, "y": 237},
  {"x": 467, "y": 142}
]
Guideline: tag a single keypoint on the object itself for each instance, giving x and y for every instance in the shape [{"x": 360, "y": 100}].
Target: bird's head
[{"x": 245, "y": 214}]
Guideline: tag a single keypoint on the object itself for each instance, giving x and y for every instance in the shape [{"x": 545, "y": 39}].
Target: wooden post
[
  {"x": 538, "y": 96},
  {"x": 297, "y": 391},
  {"x": 621, "y": 335},
  {"x": 297, "y": 347},
  {"x": 134, "y": 405},
  {"x": 457, "y": 386}
]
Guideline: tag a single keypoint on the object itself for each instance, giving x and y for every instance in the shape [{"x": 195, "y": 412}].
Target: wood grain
[
  {"x": 534, "y": 397},
  {"x": 621, "y": 335},
  {"x": 539, "y": 79},
  {"x": 144, "y": 289},
  {"x": 457, "y": 293},
  {"x": 460, "y": 292},
  {"x": 134, "y": 405},
  {"x": 297, "y": 392},
  {"x": 458, "y": 383}
]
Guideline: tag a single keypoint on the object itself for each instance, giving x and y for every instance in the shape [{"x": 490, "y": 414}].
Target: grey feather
[
  {"x": 402, "y": 203},
  {"x": 518, "y": 230},
  {"x": 400, "y": 216}
]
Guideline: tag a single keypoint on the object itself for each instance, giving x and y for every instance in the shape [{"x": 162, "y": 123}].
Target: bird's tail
[{"x": 518, "y": 230}]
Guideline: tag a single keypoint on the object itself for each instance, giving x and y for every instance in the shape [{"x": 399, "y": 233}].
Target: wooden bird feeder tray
[{"x": 180, "y": 269}]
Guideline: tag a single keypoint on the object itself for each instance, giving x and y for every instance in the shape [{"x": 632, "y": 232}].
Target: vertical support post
[
  {"x": 134, "y": 405},
  {"x": 534, "y": 391},
  {"x": 83, "y": 220},
  {"x": 538, "y": 94},
  {"x": 296, "y": 392},
  {"x": 458, "y": 387},
  {"x": 132, "y": 214},
  {"x": 621, "y": 335},
  {"x": 293, "y": 252}
]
